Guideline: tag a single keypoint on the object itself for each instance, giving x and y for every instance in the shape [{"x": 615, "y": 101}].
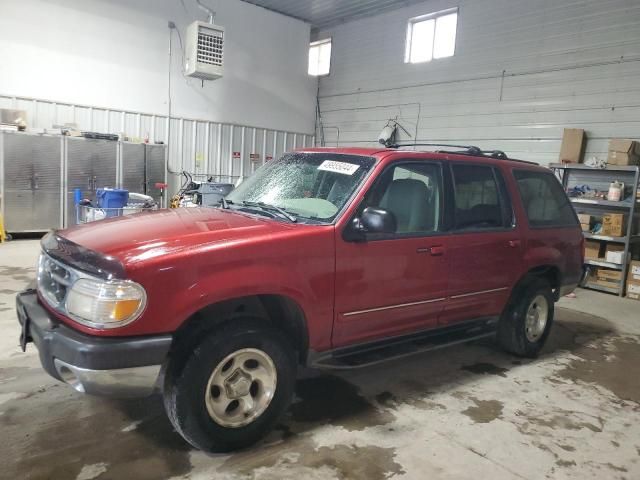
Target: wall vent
[{"x": 204, "y": 51}]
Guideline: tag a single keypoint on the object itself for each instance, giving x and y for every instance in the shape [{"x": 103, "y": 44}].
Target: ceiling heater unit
[{"x": 204, "y": 51}]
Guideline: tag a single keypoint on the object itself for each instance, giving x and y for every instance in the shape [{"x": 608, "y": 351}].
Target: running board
[{"x": 367, "y": 354}]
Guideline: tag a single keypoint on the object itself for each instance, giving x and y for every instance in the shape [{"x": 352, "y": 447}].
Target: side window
[
  {"x": 412, "y": 192},
  {"x": 478, "y": 199},
  {"x": 544, "y": 200}
]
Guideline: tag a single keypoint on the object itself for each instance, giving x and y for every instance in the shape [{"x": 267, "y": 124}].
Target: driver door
[{"x": 393, "y": 284}]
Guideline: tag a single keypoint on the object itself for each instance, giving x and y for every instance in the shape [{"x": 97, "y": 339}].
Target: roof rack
[{"x": 468, "y": 149}]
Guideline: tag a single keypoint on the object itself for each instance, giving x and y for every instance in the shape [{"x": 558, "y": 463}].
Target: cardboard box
[
  {"x": 585, "y": 222},
  {"x": 592, "y": 249},
  {"x": 633, "y": 291},
  {"x": 613, "y": 224},
  {"x": 614, "y": 254},
  {"x": 624, "y": 145},
  {"x": 572, "y": 148},
  {"x": 633, "y": 280},
  {"x": 605, "y": 277},
  {"x": 633, "y": 276},
  {"x": 623, "y": 152}
]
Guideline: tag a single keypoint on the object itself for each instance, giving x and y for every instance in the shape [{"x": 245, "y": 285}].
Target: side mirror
[{"x": 378, "y": 220}]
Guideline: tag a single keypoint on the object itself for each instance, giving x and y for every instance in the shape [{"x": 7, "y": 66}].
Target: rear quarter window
[{"x": 544, "y": 200}]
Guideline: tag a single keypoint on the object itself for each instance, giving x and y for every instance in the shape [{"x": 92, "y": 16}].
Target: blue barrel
[{"x": 112, "y": 198}]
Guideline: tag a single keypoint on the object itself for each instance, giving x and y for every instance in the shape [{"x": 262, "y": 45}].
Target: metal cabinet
[
  {"x": 142, "y": 167},
  {"x": 39, "y": 174},
  {"x": 90, "y": 164},
  {"x": 132, "y": 167},
  {"x": 155, "y": 170},
  {"x": 31, "y": 181}
]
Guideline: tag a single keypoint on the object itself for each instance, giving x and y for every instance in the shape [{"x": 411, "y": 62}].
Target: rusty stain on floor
[
  {"x": 607, "y": 365},
  {"x": 69, "y": 431},
  {"x": 12, "y": 271},
  {"x": 484, "y": 411},
  {"x": 483, "y": 368},
  {"x": 565, "y": 421},
  {"x": 344, "y": 462},
  {"x": 331, "y": 399}
]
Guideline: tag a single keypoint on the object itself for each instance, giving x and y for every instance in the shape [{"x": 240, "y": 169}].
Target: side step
[{"x": 367, "y": 354}]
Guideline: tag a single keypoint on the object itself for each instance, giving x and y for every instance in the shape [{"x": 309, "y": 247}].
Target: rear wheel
[
  {"x": 527, "y": 319},
  {"x": 232, "y": 388}
]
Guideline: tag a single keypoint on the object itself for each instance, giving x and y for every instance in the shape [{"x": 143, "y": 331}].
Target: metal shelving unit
[{"x": 572, "y": 175}]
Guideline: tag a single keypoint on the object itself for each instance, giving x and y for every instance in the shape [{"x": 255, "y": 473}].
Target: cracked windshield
[{"x": 302, "y": 186}]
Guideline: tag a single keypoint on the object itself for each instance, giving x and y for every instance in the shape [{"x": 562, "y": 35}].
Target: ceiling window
[
  {"x": 320, "y": 57},
  {"x": 431, "y": 36}
]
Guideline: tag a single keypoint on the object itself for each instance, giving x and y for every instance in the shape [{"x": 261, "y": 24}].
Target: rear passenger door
[{"x": 485, "y": 245}]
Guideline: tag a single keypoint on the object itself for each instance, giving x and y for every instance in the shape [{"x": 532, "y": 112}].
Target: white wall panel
[
  {"x": 115, "y": 54},
  {"x": 523, "y": 70}
]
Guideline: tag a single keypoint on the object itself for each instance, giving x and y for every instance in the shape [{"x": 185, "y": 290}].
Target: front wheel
[
  {"x": 527, "y": 319},
  {"x": 230, "y": 391}
]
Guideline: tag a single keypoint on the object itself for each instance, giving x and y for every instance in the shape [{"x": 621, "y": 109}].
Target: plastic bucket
[{"x": 111, "y": 198}]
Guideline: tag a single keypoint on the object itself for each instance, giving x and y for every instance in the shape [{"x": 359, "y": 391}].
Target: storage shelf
[
  {"x": 579, "y": 166},
  {"x": 595, "y": 286},
  {"x": 607, "y": 238},
  {"x": 602, "y": 263},
  {"x": 573, "y": 175},
  {"x": 604, "y": 203}
]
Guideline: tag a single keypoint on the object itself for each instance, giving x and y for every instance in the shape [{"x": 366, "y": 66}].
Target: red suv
[{"x": 331, "y": 258}]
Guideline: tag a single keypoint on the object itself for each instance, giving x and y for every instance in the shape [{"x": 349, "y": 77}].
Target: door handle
[
  {"x": 435, "y": 251},
  {"x": 513, "y": 243}
]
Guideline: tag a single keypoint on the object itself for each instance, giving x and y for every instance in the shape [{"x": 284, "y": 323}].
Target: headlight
[{"x": 105, "y": 304}]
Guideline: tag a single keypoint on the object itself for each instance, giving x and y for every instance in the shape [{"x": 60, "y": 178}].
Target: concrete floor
[{"x": 464, "y": 412}]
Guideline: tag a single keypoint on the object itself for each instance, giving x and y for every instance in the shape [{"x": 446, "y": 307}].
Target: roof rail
[{"x": 469, "y": 149}]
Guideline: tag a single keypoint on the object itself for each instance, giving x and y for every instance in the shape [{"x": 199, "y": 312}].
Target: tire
[
  {"x": 202, "y": 384},
  {"x": 519, "y": 333}
]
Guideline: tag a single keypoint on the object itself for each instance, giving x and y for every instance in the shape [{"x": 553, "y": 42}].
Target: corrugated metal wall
[
  {"x": 198, "y": 146},
  {"x": 522, "y": 71}
]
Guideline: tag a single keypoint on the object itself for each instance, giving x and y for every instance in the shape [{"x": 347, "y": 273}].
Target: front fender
[{"x": 300, "y": 268}]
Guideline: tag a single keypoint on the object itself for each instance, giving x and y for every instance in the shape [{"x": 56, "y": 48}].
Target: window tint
[
  {"x": 412, "y": 192},
  {"x": 477, "y": 198},
  {"x": 543, "y": 199}
]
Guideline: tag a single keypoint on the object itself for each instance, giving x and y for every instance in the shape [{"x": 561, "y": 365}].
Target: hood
[{"x": 135, "y": 238}]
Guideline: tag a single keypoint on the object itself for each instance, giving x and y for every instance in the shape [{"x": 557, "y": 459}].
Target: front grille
[{"x": 54, "y": 279}]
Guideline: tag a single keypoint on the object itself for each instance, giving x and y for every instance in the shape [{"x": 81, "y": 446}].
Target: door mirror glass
[{"x": 378, "y": 220}]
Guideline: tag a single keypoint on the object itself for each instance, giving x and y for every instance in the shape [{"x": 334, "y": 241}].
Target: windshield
[{"x": 308, "y": 185}]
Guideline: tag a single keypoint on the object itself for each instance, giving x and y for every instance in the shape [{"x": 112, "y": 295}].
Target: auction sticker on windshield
[{"x": 338, "y": 167}]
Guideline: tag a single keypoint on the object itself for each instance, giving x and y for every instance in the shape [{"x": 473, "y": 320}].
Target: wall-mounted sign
[
  {"x": 268, "y": 157},
  {"x": 254, "y": 156},
  {"x": 236, "y": 155}
]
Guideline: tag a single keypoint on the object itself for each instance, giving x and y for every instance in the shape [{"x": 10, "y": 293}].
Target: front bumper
[{"x": 121, "y": 367}]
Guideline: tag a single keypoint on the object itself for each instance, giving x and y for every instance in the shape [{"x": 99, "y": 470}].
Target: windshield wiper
[
  {"x": 225, "y": 203},
  {"x": 265, "y": 206}
]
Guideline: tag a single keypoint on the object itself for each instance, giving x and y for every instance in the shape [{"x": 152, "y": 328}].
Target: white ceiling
[{"x": 325, "y": 13}]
